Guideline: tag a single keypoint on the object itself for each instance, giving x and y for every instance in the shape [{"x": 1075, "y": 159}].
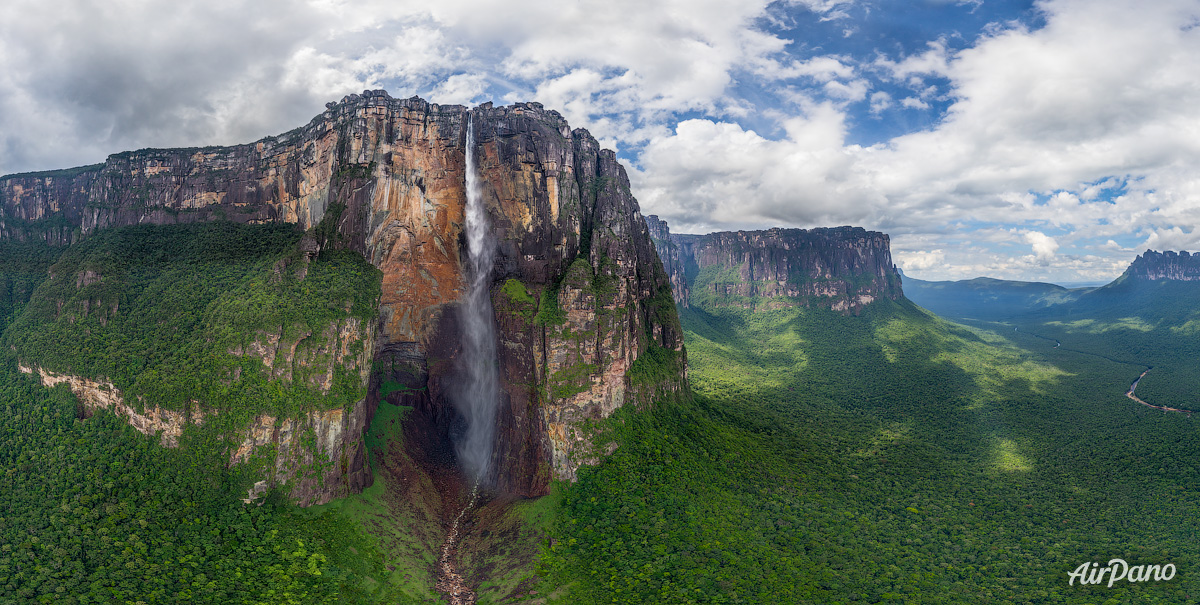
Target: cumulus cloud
[
  {"x": 113, "y": 76},
  {"x": 82, "y": 79},
  {"x": 920, "y": 260},
  {"x": 880, "y": 101},
  {"x": 932, "y": 62},
  {"x": 460, "y": 89},
  {"x": 1044, "y": 246},
  {"x": 1173, "y": 238}
]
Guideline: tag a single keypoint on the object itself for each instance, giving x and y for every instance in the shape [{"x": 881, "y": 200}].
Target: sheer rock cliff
[{"x": 579, "y": 291}]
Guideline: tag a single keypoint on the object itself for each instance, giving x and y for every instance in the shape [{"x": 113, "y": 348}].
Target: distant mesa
[{"x": 841, "y": 268}]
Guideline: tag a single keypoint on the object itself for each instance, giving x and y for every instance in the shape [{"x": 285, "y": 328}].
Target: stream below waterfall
[{"x": 450, "y": 582}]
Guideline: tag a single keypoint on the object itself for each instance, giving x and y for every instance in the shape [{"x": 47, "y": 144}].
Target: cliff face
[
  {"x": 670, "y": 250},
  {"x": 1168, "y": 265},
  {"x": 842, "y": 268},
  {"x": 579, "y": 291}
]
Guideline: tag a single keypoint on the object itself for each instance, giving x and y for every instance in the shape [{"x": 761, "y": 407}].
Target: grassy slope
[
  {"x": 892, "y": 457},
  {"x": 91, "y": 511}
]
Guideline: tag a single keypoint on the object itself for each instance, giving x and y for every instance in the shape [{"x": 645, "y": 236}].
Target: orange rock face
[{"x": 389, "y": 175}]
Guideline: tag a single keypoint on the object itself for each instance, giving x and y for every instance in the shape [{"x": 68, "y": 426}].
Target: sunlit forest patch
[
  {"x": 1094, "y": 326},
  {"x": 1008, "y": 457}
]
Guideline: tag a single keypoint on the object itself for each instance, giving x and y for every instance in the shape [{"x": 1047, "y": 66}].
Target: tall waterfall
[{"x": 479, "y": 391}]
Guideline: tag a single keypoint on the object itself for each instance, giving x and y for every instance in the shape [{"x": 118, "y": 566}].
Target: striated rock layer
[
  {"x": 579, "y": 291},
  {"x": 842, "y": 268},
  {"x": 1176, "y": 266}
]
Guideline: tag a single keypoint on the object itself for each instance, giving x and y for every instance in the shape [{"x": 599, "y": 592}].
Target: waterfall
[{"x": 479, "y": 392}]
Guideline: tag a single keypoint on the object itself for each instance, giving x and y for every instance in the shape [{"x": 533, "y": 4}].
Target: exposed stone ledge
[
  {"x": 338, "y": 442},
  {"x": 102, "y": 395}
]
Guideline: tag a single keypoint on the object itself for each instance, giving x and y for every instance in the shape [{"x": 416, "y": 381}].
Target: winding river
[{"x": 1132, "y": 388}]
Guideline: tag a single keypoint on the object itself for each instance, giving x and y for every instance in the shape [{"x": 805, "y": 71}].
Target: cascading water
[{"x": 478, "y": 394}]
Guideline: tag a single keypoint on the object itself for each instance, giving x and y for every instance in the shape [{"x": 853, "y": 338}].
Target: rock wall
[
  {"x": 670, "y": 251},
  {"x": 320, "y": 456},
  {"x": 1177, "y": 266},
  {"x": 842, "y": 268},
  {"x": 579, "y": 290}
]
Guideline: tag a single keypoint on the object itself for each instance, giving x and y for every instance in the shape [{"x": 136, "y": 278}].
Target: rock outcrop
[
  {"x": 842, "y": 268},
  {"x": 319, "y": 455},
  {"x": 1169, "y": 265},
  {"x": 579, "y": 291},
  {"x": 100, "y": 394}
]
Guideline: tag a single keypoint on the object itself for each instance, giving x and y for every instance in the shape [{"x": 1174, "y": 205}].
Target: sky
[{"x": 1048, "y": 140}]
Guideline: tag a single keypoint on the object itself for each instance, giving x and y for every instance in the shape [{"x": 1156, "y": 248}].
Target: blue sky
[{"x": 1050, "y": 140}]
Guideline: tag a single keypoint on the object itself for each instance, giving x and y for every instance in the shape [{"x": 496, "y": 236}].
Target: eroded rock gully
[{"x": 472, "y": 536}]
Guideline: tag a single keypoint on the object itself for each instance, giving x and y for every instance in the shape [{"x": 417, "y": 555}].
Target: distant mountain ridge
[
  {"x": 996, "y": 299},
  {"x": 985, "y": 297}
]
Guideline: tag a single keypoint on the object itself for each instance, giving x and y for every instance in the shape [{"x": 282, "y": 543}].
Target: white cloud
[
  {"x": 932, "y": 62},
  {"x": 920, "y": 260},
  {"x": 822, "y": 6},
  {"x": 1044, "y": 246},
  {"x": 461, "y": 89},
  {"x": 1172, "y": 238},
  {"x": 822, "y": 69},
  {"x": 104, "y": 77},
  {"x": 1106, "y": 94},
  {"x": 880, "y": 101}
]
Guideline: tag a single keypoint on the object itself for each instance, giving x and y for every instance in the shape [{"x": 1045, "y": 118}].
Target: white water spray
[{"x": 479, "y": 391}]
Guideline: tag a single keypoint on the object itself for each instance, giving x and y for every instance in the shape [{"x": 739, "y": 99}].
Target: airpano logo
[{"x": 1117, "y": 570}]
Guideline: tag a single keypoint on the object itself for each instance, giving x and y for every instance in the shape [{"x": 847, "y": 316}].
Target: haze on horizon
[{"x": 1050, "y": 140}]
